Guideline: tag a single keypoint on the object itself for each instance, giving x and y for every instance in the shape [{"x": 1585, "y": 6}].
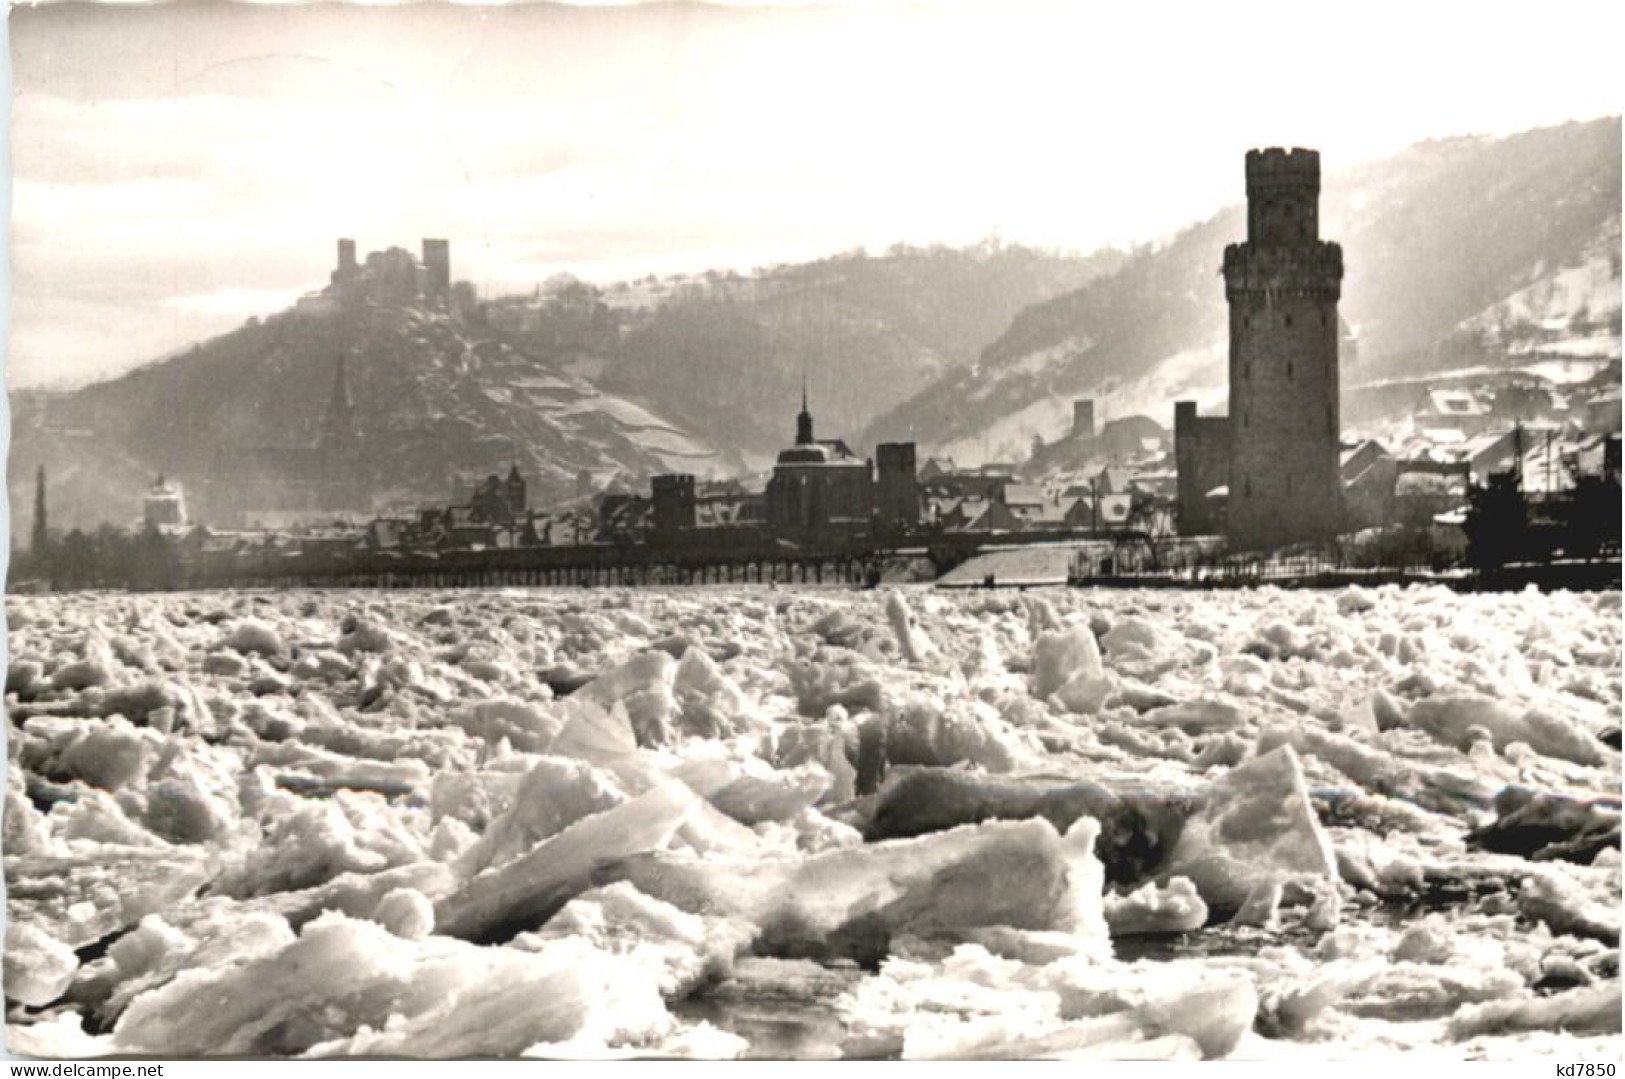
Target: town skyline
[{"x": 633, "y": 163}]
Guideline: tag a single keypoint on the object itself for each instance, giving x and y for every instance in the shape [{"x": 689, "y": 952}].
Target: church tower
[
  {"x": 804, "y": 423},
  {"x": 343, "y": 482},
  {"x": 1283, "y": 285},
  {"x": 518, "y": 503},
  {"x": 338, "y": 424},
  {"x": 41, "y": 540}
]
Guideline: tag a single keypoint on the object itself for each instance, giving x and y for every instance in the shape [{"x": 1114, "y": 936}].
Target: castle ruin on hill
[{"x": 391, "y": 276}]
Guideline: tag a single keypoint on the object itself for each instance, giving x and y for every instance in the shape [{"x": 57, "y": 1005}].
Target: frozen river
[{"x": 723, "y": 822}]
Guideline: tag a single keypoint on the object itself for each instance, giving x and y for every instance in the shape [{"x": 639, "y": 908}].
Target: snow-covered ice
[{"x": 678, "y": 823}]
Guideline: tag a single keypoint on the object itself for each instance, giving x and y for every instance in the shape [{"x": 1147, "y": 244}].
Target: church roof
[
  {"x": 811, "y": 451},
  {"x": 824, "y": 452}
]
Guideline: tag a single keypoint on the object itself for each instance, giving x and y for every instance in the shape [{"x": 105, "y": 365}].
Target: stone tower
[
  {"x": 437, "y": 266},
  {"x": 897, "y": 489},
  {"x": 1283, "y": 285},
  {"x": 674, "y": 504},
  {"x": 1083, "y": 419}
]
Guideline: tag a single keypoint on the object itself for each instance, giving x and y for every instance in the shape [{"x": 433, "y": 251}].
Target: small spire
[
  {"x": 42, "y": 535},
  {"x": 338, "y": 425},
  {"x": 804, "y": 421}
]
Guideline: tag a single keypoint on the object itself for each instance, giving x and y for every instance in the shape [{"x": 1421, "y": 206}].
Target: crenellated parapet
[
  {"x": 1281, "y": 166},
  {"x": 1283, "y": 197},
  {"x": 1265, "y": 274}
]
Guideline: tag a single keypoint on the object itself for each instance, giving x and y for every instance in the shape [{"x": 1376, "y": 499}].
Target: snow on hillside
[
  {"x": 1196, "y": 374},
  {"x": 1570, "y": 310},
  {"x": 439, "y": 402},
  {"x": 1458, "y": 252}
]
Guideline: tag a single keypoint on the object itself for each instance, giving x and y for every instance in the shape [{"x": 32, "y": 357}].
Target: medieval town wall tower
[{"x": 1283, "y": 285}]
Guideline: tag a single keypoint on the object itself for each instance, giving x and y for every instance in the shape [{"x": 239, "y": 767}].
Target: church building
[{"x": 820, "y": 491}]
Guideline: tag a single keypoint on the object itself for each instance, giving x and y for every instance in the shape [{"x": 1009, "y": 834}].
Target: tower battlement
[
  {"x": 1311, "y": 270},
  {"x": 1283, "y": 197},
  {"x": 1277, "y": 163}
]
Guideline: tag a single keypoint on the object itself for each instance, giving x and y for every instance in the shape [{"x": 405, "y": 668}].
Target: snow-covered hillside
[
  {"x": 1565, "y": 310},
  {"x": 1458, "y": 252},
  {"x": 439, "y": 404}
]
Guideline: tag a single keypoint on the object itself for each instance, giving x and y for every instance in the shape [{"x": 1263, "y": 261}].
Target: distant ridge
[
  {"x": 697, "y": 374},
  {"x": 1458, "y": 251},
  {"x": 438, "y": 405}
]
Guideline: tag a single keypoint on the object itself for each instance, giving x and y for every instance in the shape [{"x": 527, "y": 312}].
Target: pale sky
[{"x": 177, "y": 169}]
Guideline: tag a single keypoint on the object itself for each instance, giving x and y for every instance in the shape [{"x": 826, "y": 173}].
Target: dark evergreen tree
[
  {"x": 76, "y": 561},
  {"x": 1590, "y": 516}
]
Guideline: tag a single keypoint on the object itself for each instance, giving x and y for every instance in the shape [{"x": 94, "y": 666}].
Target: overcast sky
[{"x": 180, "y": 168}]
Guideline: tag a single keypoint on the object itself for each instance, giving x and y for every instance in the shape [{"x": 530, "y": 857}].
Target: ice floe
[{"x": 719, "y": 822}]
